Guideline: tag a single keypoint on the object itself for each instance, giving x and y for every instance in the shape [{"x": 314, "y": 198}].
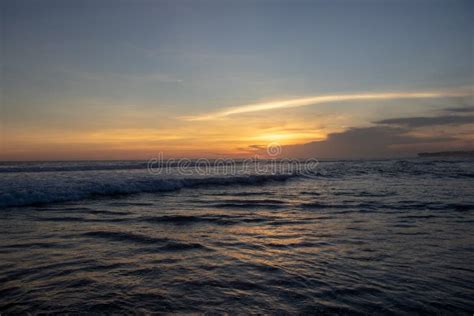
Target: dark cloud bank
[{"x": 394, "y": 138}]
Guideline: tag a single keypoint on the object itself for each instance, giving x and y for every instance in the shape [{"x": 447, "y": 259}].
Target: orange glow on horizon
[{"x": 139, "y": 137}]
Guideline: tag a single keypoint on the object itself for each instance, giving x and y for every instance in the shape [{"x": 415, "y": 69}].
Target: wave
[
  {"x": 69, "y": 190},
  {"x": 66, "y": 166},
  {"x": 189, "y": 219},
  {"x": 207, "y": 219},
  {"x": 165, "y": 244},
  {"x": 71, "y": 166},
  {"x": 248, "y": 203}
]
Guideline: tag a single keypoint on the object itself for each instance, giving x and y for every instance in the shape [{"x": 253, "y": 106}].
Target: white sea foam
[{"x": 20, "y": 189}]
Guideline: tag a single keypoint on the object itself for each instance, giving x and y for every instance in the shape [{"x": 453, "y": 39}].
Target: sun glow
[
  {"x": 217, "y": 134},
  {"x": 288, "y": 137}
]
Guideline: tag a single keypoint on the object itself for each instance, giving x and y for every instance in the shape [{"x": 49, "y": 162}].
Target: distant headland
[{"x": 453, "y": 154}]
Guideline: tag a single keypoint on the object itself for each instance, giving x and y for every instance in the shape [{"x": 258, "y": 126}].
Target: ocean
[{"x": 348, "y": 238}]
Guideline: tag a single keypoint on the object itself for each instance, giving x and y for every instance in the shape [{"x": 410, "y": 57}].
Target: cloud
[
  {"x": 464, "y": 109},
  {"x": 405, "y": 136},
  {"x": 369, "y": 142},
  {"x": 292, "y": 103},
  {"x": 428, "y": 121}
]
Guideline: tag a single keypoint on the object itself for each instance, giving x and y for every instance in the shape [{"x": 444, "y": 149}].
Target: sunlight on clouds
[
  {"x": 191, "y": 140},
  {"x": 288, "y": 137},
  {"x": 142, "y": 134},
  {"x": 326, "y": 99}
]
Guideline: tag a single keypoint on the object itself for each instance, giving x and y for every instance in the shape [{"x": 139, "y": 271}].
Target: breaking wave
[{"x": 62, "y": 189}]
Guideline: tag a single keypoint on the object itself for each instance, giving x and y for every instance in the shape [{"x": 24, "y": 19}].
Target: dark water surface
[{"x": 358, "y": 237}]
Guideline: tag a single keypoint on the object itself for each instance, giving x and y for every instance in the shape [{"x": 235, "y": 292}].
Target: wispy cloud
[
  {"x": 320, "y": 99},
  {"x": 429, "y": 121},
  {"x": 464, "y": 109}
]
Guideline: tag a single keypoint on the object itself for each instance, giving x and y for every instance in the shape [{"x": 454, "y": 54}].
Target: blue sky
[{"x": 89, "y": 65}]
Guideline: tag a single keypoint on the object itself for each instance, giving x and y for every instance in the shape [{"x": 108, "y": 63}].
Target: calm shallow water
[{"x": 358, "y": 237}]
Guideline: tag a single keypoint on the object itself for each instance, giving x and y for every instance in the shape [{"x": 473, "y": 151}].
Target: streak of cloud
[
  {"x": 429, "y": 121},
  {"x": 299, "y": 102}
]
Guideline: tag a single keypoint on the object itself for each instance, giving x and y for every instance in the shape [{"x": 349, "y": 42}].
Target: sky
[{"x": 129, "y": 79}]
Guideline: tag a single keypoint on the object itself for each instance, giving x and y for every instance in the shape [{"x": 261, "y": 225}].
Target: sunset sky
[{"x": 129, "y": 79}]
